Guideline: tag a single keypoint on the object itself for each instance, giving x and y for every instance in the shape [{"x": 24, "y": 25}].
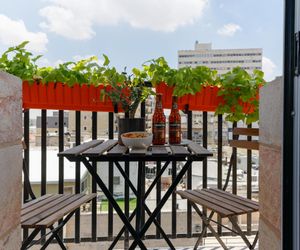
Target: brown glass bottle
[
  {"x": 159, "y": 123},
  {"x": 174, "y": 123}
]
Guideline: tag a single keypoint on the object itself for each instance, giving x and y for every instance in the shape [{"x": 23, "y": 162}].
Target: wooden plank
[
  {"x": 159, "y": 150},
  {"x": 66, "y": 210},
  {"x": 247, "y": 202},
  {"x": 216, "y": 202},
  {"x": 52, "y": 210},
  {"x": 187, "y": 195},
  {"x": 198, "y": 149},
  {"x": 138, "y": 151},
  {"x": 246, "y": 131},
  {"x": 253, "y": 145},
  {"x": 30, "y": 203},
  {"x": 117, "y": 150},
  {"x": 80, "y": 148},
  {"x": 100, "y": 149},
  {"x": 225, "y": 200},
  {"x": 45, "y": 208},
  {"x": 35, "y": 205},
  {"x": 179, "y": 150}
]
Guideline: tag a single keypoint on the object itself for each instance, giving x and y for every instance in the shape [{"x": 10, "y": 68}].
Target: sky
[{"x": 131, "y": 32}]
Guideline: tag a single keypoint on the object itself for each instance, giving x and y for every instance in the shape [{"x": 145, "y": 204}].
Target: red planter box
[
  {"x": 205, "y": 100},
  {"x": 62, "y": 97}
]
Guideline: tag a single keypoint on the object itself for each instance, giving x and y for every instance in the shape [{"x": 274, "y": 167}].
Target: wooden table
[{"x": 110, "y": 151}]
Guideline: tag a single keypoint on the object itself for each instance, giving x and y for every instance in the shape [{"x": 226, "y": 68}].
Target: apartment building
[{"x": 222, "y": 60}]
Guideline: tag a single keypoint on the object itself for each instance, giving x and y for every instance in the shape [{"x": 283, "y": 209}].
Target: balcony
[{"x": 97, "y": 224}]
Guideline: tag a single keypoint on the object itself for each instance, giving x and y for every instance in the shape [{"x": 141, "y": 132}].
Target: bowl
[{"x": 137, "y": 139}]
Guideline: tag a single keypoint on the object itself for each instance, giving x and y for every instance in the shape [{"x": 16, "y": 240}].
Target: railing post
[
  {"x": 77, "y": 174},
  {"x": 110, "y": 177},
  {"x": 220, "y": 151},
  {"x": 94, "y": 185}
]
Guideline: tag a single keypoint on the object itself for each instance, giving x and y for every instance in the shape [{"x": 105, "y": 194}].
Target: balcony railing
[{"x": 179, "y": 222}]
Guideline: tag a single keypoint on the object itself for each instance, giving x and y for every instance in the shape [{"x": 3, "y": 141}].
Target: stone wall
[
  {"x": 10, "y": 161},
  {"x": 270, "y": 136}
]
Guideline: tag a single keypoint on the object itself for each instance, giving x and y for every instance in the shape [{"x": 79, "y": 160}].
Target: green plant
[
  {"x": 127, "y": 90},
  {"x": 20, "y": 62},
  {"x": 185, "y": 80},
  {"x": 237, "y": 87}
]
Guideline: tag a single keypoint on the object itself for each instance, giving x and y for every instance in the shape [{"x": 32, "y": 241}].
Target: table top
[{"x": 110, "y": 150}]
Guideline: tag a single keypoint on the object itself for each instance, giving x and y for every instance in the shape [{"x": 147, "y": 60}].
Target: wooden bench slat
[
  {"x": 223, "y": 212},
  {"x": 253, "y": 145},
  {"x": 100, "y": 149},
  {"x": 159, "y": 150},
  {"x": 247, "y": 202},
  {"x": 66, "y": 210},
  {"x": 179, "y": 150},
  {"x": 45, "y": 207},
  {"x": 138, "y": 151},
  {"x": 80, "y": 148},
  {"x": 52, "y": 210},
  {"x": 117, "y": 150},
  {"x": 223, "y": 199},
  {"x": 46, "y": 196},
  {"x": 216, "y": 202},
  {"x": 197, "y": 149},
  {"x": 32, "y": 205},
  {"x": 246, "y": 131}
]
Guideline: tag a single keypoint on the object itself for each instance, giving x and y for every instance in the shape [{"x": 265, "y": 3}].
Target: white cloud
[
  {"x": 268, "y": 67},
  {"x": 13, "y": 32},
  {"x": 229, "y": 29},
  {"x": 75, "y": 19}
]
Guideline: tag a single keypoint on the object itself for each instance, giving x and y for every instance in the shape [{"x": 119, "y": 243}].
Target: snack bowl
[{"x": 137, "y": 139}]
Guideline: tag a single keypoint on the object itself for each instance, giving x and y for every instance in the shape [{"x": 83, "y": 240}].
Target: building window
[
  {"x": 84, "y": 128},
  {"x": 116, "y": 180}
]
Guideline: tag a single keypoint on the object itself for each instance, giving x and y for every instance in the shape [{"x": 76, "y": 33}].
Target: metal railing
[{"x": 94, "y": 235}]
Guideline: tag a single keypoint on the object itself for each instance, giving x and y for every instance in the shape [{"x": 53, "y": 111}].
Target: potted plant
[
  {"x": 240, "y": 94},
  {"x": 195, "y": 87},
  {"x": 69, "y": 86},
  {"x": 126, "y": 91}
]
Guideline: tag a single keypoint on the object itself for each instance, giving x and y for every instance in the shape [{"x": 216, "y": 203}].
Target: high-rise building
[{"x": 222, "y": 60}]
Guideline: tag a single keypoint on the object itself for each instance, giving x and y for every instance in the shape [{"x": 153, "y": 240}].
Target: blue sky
[{"x": 133, "y": 31}]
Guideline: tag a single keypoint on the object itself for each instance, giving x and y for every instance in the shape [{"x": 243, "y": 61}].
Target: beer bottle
[
  {"x": 174, "y": 123},
  {"x": 159, "y": 123}
]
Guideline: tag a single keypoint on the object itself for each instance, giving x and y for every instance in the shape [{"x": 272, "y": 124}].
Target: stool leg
[
  {"x": 207, "y": 223},
  {"x": 241, "y": 233}
]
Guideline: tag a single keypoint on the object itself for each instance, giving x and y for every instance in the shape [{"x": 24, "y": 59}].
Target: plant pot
[
  {"x": 205, "y": 100},
  {"x": 129, "y": 125},
  {"x": 62, "y": 97}
]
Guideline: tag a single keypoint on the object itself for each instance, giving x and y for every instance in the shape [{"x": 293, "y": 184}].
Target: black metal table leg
[
  {"x": 113, "y": 202},
  {"x": 139, "y": 199},
  {"x": 163, "y": 201},
  {"x": 157, "y": 224}
]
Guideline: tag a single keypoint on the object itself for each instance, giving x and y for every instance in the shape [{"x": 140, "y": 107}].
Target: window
[
  {"x": 84, "y": 128},
  {"x": 116, "y": 180}
]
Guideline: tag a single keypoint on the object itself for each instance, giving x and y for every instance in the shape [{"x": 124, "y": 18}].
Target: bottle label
[
  {"x": 174, "y": 105},
  {"x": 159, "y": 133},
  {"x": 174, "y": 133}
]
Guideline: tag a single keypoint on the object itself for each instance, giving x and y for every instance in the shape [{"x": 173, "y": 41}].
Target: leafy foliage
[
  {"x": 239, "y": 87},
  {"x": 22, "y": 63},
  {"x": 185, "y": 80},
  {"x": 124, "y": 89},
  {"x": 129, "y": 90}
]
